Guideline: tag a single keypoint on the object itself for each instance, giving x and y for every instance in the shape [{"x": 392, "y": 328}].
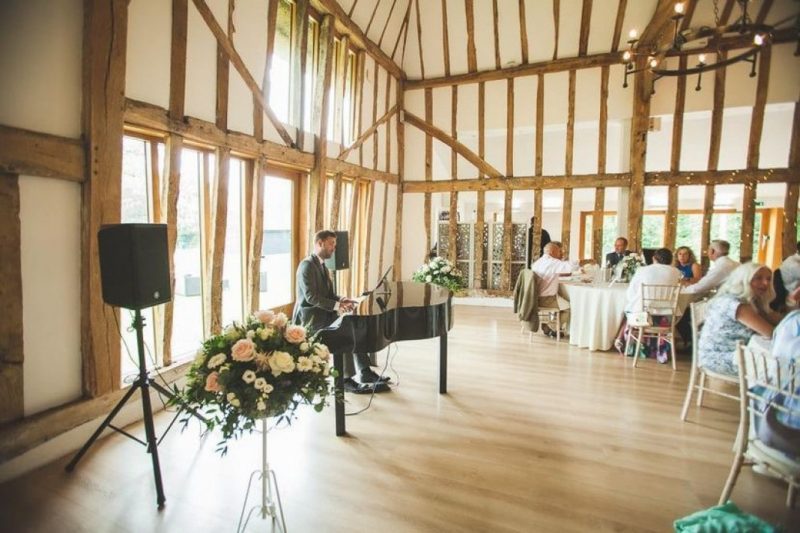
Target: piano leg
[
  {"x": 338, "y": 389},
  {"x": 443, "y": 364}
]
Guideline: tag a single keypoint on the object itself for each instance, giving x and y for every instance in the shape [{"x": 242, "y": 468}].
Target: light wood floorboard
[{"x": 531, "y": 437}]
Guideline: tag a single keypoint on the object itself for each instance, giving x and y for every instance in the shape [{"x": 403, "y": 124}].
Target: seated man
[
  {"x": 719, "y": 271},
  {"x": 317, "y": 306},
  {"x": 790, "y": 271},
  {"x": 620, "y": 251},
  {"x": 549, "y": 267}
]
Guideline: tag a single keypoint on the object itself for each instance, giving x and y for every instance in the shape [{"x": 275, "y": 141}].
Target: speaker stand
[{"x": 142, "y": 382}]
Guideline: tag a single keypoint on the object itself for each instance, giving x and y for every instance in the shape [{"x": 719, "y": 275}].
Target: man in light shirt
[
  {"x": 549, "y": 268},
  {"x": 661, "y": 272},
  {"x": 719, "y": 271},
  {"x": 790, "y": 273}
]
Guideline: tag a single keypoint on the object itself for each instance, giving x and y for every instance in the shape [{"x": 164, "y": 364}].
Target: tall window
[
  {"x": 280, "y": 72},
  {"x": 277, "y": 261},
  {"x": 233, "y": 306}
]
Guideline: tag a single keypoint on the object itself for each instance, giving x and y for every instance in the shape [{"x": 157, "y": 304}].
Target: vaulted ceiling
[{"x": 431, "y": 38}]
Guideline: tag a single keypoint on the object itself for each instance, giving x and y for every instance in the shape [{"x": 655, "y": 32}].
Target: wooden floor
[{"x": 531, "y": 437}]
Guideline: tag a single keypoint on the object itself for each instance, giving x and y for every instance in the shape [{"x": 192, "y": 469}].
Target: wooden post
[
  {"x": 333, "y": 223},
  {"x": 428, "y": 170},
  {"x": 219, "y": 219},
  {"x": 556, "y": 10},
  {"x": 705, "y": 232},
  {"x": 12, "y": 353},
  {"x": 586, "y": 17},
  {"x": 748, "y": 221},
  {"x": 383, "y": 228},
  {"x": 792, "y": 191},
  {"x": 177, "y": 71},
  {"x": 539, "y": 124},
  {"x": 536, "y": 242},
  {"x": 398, "y": 229},
  {"x": 256, "y": 241},
  {"x": 368, "y": 237},
  {"x": 523, "y": 32},
  {"x": 452, "y": 234},
  {"x": 639, "y": 124},
  {"x": 104, "y": 50},
  {"x": 223, "y": 76},
  {"x": 169, "y": 216},
  {"x": 508, "y": 237},
  {"x": 472, "y": 63},
  {"x": 597, "y": 225}
]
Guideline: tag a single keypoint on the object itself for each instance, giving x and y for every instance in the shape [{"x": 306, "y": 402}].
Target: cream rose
[
  {"x": 260, "y": 384},
  {"x": 281, "y": 363},
  {"x": 322, "y": 352},
  {"x": 304, "y": 347},
  {"x": 295, "y": 334},
  {"x": 212, "y": 382},
  {"x": 248, "y": 376},
  {"x": 243, "y": 350}
]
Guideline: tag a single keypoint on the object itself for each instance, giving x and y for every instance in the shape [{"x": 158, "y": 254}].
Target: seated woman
[
  {"x": 686, "y": 263},
  {"x": 739, "y": 310},
  {"x": 659, "y": 273}
]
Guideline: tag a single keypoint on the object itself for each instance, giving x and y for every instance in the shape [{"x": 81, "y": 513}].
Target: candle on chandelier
[
  {"x": 633, "y": 34},
  {"x": 679, "y": 8},
  {"x": 702, "y": 59}
]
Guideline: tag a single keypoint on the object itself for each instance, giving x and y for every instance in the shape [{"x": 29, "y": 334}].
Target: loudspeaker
[
  {"x": 340, "y": 260},
  {"x": 134, "y": 265}
]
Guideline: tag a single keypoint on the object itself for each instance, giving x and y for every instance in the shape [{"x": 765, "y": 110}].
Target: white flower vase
[{"x": 268, "y": 507}]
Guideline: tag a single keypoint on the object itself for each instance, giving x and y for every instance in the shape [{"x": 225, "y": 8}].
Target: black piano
[{"x": 395, "y": 311}]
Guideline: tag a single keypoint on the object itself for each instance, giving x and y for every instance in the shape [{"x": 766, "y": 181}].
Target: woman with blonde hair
[
  {"x": 739, "y": 310},
  {"x": 686, "y": 263}
]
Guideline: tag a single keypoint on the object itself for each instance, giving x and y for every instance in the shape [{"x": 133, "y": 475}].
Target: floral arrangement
[
  {"x": 265, "y": 367},
  {"x": 442, "y": 272},
  {"x": 626, "y": 268}
]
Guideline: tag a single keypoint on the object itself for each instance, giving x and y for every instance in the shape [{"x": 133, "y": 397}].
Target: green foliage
[{"x": 442, "y": 272}]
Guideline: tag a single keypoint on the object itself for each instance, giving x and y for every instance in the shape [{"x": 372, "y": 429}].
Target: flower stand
[{"x": 268, "y": 507}]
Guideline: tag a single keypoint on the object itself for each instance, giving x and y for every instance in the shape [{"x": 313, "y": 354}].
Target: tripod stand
[{"x": 144, "y": 383}]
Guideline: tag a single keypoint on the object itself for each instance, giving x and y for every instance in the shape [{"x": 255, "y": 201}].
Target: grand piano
[{"x": 394, "y": 311}]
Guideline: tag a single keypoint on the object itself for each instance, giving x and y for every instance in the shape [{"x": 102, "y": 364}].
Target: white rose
[
  {"x": 428, "y": 278},
  {"x": 250, "y": 334},
  {"x": 281, "y": 363},
  {"x": 249, "y": 376},
  {"x": 232, "y": 333},
  {"x": 266, "y": 333},
  {"x": 304, "y": 347},
  {"x": 260, "y": 384},
  {"x": 216, "y": 360},
  {"x": 322, "y": 352}
]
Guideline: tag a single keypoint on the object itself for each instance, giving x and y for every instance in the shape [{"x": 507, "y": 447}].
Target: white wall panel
[{"x": 148, "y": 53}]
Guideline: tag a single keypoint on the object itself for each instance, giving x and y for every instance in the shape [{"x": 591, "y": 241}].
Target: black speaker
[
  {"x": 134, "y": 265},
  {"x": 340, "y": 260}
]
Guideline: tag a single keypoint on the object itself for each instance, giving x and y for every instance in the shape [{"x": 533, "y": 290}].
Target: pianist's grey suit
[{"x": 314, "y": 303}]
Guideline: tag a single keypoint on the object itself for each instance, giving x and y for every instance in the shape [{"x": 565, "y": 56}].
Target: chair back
[
  {"x": 765, "y": 376},
  {"x": 661, "y": 300},
  {"x": 698, "y": 317}
]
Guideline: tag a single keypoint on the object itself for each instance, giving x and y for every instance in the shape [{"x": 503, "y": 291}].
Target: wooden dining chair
[
  {"x": 657, "y": 301},
  {"x": 698, "y": 316},
  {"x": 763, "y": 379}
]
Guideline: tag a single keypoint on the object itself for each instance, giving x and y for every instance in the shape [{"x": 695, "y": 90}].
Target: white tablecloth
[{"x": 596, "y": 313}]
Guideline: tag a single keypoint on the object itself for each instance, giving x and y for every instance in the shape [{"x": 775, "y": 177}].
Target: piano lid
[{"x": 399, "y": 294}]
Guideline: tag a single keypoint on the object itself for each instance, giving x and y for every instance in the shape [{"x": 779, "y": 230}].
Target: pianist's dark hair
[{"x": 324, "y": 235}]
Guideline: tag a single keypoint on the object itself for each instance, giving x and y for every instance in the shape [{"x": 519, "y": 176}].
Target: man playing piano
[{"x": 317, "y": 306}]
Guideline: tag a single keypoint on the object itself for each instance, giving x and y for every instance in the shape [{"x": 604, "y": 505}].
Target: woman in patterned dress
[{"x": 739, "y": 310}]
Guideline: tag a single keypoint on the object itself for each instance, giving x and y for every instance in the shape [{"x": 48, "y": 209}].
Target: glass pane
[
  {"x": 277, "y": 270},
  {"x": 187, "y": 328},
  {"x": 135, "y": 209},
  {"x": 232, "y": 267},
  {"x": 280, "y": 71},
  {"x": 689, "y": 232},
  {"x": 609, "y": 232},
  {"x": 310, "y": 73},
  {"x": 728, "y": 226},
  {"x": 653, "y": 231}
]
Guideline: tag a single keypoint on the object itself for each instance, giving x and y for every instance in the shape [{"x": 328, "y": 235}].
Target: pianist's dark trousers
[{"x": 355, "y": 364}]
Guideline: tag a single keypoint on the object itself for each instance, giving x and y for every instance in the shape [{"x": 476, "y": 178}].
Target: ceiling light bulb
[
  {"x": 702, "y": 59},
  {"x": 653, "y": 62},
  {"x": 633, "y": 34},
  {"x": 758, "y": 39},
  {"x": 626, "y": 56},
  {"x": 679, "y": 8}
]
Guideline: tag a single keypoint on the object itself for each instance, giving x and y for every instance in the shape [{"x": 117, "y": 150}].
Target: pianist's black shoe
[
  {"x": 351, "y": 385},
  {"x": 370, "y": 376}
]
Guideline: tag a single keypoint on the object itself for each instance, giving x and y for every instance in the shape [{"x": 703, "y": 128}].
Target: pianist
[{"x": 318, "y": 306}]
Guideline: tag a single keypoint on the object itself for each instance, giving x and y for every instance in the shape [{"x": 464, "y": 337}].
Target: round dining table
[{"x": 596, "y": 313}]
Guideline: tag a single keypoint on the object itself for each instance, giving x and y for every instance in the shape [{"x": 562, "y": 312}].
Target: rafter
[
  {"x": 445, "y": 39},
  {"x": 496, "y": 35},
  {"x": 472, "y": 62},
  {"x": 364, "y": 136},
  {"x": 618, "y": 25},
  {"x": 462, "y": 150},
  {"x": 523, "y": 32},
  {"x": 403, "y": 30},
  {"x": 386, "y": 25},
  {"x": 556, "y": 16},
  {"x": 419, "y": 40}
]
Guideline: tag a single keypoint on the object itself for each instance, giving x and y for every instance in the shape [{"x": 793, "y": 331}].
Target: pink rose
[
  {"x": 243, "y": 350},
  {"x": 265, "y": 316},
  {"x": 295, "y": 334},
  {"x": 212, "y": 382},
  {"x": 280, "y": 320}
]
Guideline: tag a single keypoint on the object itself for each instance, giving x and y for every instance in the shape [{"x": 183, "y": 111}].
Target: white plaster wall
[
  {"x": 40, "y": 50},
  {"x": 50, "y": 213},
  {"x": 250, "y": 40},
  {"x": 148, "y": 51},
  {"x": 413, "y": 251},
  {"x": 201, "y": 62}
]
